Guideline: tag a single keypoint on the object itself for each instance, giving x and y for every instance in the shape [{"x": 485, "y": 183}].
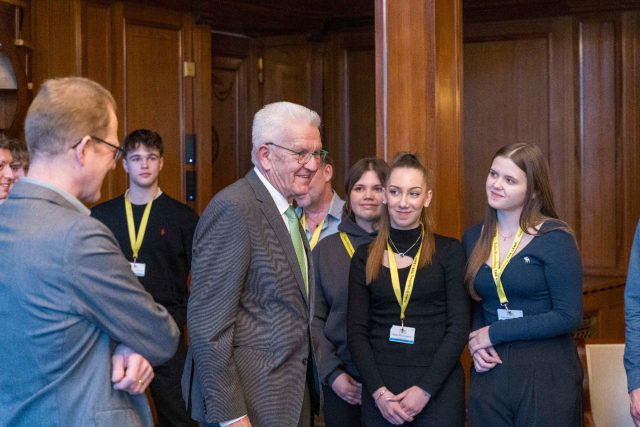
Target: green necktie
[{"x": 294, "y": 231}]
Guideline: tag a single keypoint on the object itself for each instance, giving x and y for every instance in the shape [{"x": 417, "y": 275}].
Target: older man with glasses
[{"x": 251, "y": 356}]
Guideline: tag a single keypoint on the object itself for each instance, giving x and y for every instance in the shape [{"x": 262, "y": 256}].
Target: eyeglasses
[
  {"x": 116, "y": 155},
  {"x": 303, "y": 156}
]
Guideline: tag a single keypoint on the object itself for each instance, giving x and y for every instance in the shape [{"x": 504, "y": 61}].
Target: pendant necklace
[
  {"x": 402, "y": 254},
  {"x": 504, "y": 239}
]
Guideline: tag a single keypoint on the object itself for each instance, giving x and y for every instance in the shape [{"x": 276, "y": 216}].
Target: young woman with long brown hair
[
  {"x": 408, "y": 311},
  {"x": 525, "y": 274},
  {"x": 341, "y": 383}
]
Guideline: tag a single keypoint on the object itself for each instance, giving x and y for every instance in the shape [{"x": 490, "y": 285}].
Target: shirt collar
[
  {"x": 281, "y": 202},
  {"x": 74, "y": 201},
  {"x": 335, "y": 208}
]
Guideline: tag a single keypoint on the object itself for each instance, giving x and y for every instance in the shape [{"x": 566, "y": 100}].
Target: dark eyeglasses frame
[
  {"x": 116, "y": 155},
  {"x": 319, "y": 155}
]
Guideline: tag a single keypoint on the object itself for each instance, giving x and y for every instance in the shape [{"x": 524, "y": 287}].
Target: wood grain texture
[
  {"x": 600, "y": 216},
  {"x": 293, "y": 72},
  {"x": 418, "y": 91},
  {"x": 59, "y": 55},
  {"x": 202, "y": 114},
  {"x": 153, "y": 95},
  {"x": 630, "y": 126},
  {"x": 349, "y": 101},
  {"x": 520, "y": 84},
  {"x": 506, "y": 101}
]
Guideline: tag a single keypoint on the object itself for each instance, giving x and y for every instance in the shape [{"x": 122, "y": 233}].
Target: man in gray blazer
[
  {"x": 79, "y": 332},
  {"x": 250, "y": 359}
]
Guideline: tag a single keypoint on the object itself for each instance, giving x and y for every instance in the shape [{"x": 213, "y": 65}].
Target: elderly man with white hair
[{"x": 251, "y": 304}]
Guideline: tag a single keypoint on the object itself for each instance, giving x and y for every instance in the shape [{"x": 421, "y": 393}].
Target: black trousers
[
  {"x": 167, "y": 393},
  {"x": 538, "y": 384},
  {"x": 338, "y": 412},
  {"x": 445, "y": 408}
]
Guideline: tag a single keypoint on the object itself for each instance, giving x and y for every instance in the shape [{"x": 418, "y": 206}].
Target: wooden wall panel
[
  {"x": 520, "y": 87},
  {"x": 98, "y": 63},
  {"x": 349, "y": 101},
  {"x": 154, "y": 98},
  {"x": 600, "y": 213},
  {"x": 361, "y": 105},
  {"x": 506, "y": 89},
  {"x": 58, "y": 37},
  {"x": 293, "y": 72},
  {"x": 230, "y": 144},
  {"x": 228, "y": 89},
  {"x": 202, "y": 115},
  {"x": 630, "y": 57},
  {"x": 418, "y": 90}
]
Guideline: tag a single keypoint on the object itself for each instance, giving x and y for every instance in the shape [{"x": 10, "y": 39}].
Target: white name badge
[
  {"x": 508, "y": 314},
  {"x": 400, "y": 334},
  {"x": 138, "y": 268}
]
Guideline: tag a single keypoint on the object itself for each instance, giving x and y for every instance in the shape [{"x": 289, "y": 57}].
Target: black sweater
[
  {"x": 331, "y": 262},
  {"x": 438, "y": 310},
  {"x": 166, "y": 248}
]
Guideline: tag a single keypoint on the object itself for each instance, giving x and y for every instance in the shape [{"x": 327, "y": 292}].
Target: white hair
[{"x": 269, "y": 124}]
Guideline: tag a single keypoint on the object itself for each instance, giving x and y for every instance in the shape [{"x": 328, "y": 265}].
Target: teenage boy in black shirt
[{"x": 155, "y": 233}]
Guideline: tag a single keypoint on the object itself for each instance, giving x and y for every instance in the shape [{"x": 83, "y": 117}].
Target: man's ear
[
  {"x": 263, "y": 157},
  {"x": 80, "y": 152},
  {"x": 125, "y": 164},
  {"x": 160, "y": 163},
  {"x": 328, "y": 173}
]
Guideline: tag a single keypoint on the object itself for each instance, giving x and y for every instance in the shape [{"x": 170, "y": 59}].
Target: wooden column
[{"x": 419, "y": 95}]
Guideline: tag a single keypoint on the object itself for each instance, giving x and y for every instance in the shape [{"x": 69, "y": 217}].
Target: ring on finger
[{"x": 140, "y": 382}]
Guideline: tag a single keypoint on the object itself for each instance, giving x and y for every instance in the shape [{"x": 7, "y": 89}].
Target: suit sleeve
[
  {"x": 329, "y": 363},
  {"x": 457, "y": 323},
  {"x": 105, "y": 291},
  {"x": 190, "y": 221},
  {"x": 632, "y": 316},
  {"x": 221, "y": 261}
]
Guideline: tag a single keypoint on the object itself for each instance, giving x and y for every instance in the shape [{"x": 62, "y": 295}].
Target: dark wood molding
[{"x": 501, "y": 10}]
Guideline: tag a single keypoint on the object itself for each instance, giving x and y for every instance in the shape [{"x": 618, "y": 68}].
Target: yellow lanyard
[
  {"x": 395, "y": 280},
  {"x": 316, "y": 234},
  {"x": 347, "y": 244},
  {"x": 136, "y": 242},
  {"x": 497, "y": 269}
]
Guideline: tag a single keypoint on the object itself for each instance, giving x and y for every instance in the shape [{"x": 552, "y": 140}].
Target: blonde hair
[{"x": 64, "y": 111}]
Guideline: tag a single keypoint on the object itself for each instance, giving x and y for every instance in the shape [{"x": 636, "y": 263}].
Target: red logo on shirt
[{"x": 162, "y": 231}]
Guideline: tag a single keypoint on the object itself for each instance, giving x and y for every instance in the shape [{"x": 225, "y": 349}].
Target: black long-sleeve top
[
  {"x": 544, "y": 280},
  {"x": 166, "y": 248},
  {"x": 438, "y": 310}
]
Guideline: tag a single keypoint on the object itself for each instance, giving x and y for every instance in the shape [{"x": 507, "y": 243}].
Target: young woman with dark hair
[
  {"x": 331, "y": 258},
  {"x": 408, "y": 311},
  {"x": 525, "y": 274}
]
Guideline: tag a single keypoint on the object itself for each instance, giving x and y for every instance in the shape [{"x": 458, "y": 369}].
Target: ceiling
[{"x": 316, "y": 17}]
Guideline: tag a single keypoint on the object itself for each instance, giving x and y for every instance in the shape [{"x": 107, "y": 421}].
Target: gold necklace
[{"x": 504, "y": 239}]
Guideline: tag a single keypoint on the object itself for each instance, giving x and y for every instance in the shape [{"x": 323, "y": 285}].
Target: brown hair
[
  {"x": 148, "y": 138},
  {"x": 538, "y": 206},
  {"x": 64, "y": 111},
  {"x": 19, "y": 151},
  {"x": 378, "y": 166},
  {"x": 402, "y": 159}
]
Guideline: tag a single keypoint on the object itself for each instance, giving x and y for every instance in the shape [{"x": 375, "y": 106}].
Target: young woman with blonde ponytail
[{"x": 408, "y": 312}]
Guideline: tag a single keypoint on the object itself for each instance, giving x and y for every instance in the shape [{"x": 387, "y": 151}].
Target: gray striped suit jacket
[{"x": 248, "y": 314}]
